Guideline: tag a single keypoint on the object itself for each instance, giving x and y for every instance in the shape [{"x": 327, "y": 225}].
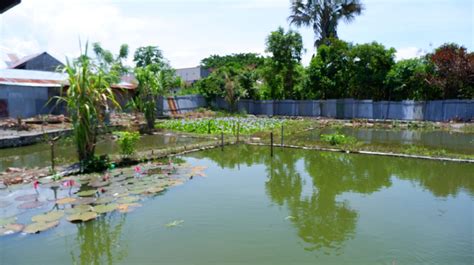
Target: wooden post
[
  {"x": 238, "y": 132},
  {"x": 222, "y": 141},
  {"x": 209, "y": 127},
  {"x": 52, "y": 155},
  {"x": 282, "y": 133},
  {"x": 271, "y": 144}
]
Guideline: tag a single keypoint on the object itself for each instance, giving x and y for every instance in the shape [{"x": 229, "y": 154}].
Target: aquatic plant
[
  {"x": 227, "y": 125},
  {"x": 127, "y": 142},
  {"x": 87, "y": 97},
  {"x": 337, "y": 139}
]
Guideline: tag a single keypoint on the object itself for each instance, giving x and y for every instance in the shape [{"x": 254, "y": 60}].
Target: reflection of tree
[
  {"x": 99, "y": 241},
  {"x": 323, "y": 221}
]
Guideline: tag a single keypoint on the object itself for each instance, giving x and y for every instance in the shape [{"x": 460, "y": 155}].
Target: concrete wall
[
  {"x": 181, "y": 104},
  {"x": 440, "y": 110}
]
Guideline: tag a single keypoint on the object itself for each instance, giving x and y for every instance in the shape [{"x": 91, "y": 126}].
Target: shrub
[
  {"x": 337, "y": 139},
  {"x": 95, "y": 164},
  {"x": 127, "y": 142}
]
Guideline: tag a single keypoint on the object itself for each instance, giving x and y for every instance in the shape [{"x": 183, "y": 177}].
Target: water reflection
[
  {"x": 324, "y": 221},
  {"x": 100, "y": 241}
]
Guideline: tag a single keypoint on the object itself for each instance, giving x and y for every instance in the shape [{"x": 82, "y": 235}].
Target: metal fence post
[
  {"x": 222, "y": 141},
  {"x": 282, "y": 133},
  {"x": 271, "y": 144}
]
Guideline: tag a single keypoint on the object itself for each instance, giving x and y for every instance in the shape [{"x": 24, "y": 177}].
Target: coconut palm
[{"x": 323, "y": 16}]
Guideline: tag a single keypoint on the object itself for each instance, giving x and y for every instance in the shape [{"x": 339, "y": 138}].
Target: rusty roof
[{"x": 17, "y": 77}]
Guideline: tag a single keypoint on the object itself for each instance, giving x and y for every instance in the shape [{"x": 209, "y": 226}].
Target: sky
[{"x": 189, "y": 30}]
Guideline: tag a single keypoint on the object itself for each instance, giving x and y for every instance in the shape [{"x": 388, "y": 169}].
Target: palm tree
[{"x": 323, "y": 16}]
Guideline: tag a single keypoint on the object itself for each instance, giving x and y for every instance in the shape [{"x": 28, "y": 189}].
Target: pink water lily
[
  {"x": 36, "y": 185},
  {"x": 138, "y": 169}
]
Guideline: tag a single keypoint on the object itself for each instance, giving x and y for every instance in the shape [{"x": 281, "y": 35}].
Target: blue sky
[{"x": 189, "y": 30}]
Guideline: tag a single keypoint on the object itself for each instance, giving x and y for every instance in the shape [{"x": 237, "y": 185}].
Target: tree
[
  {"x": 149, "y": 87},
  {"x": 453, "y": 71},
  {"x": 113, "y": 67},
  {"x": 88, "y": 94},
  {"x": 281, "y": 70},
  {"x": 149, "y": 55},
  {"x": 369, "y": 65},
  {"x": 407, "y": 80},
  {"x": 323, "y": 16},
  {"x": 328, "y": 72},
  {"x": 236, "y": 60}
]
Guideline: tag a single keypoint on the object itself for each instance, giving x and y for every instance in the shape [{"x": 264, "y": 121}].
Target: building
[
  {"x": 192, "y": 74},
  {"x": 40, "y": 62},
  {"x": 7, "y": 4},
  {"x": 27, "y": 93}
]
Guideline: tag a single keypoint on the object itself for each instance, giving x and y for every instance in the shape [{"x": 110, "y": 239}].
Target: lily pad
[
  {"x": 104, "y": 200},
  {"x": 27, "y": 198},
  {"x": 11, "y": 229},
  {"x": 48, "y": 217},
  {"x": 84, "y": 200},
  {"x": 7, "y": 221},
  {"x": 79, "y": 209},
  {"x": 99, "y": 184},
  {"x": 128, "y": 207},
  {"x": 39, "y": 227},
  {"x": 67, "y": 200},
  {"x": 128, "y": 199},
  {"x": 82, "y": 217},
  {"x": 86, "y": 193},
  {"x": 4, "y": 204},
  {"x": 105, "y": 208},
  {"x": 30, "y": 205}
]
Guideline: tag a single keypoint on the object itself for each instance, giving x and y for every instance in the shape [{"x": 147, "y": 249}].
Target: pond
[
  {"x": 456, "y": 142},
  {"x": 299, "y": 207},
  {"x": 39, "y": 155}
]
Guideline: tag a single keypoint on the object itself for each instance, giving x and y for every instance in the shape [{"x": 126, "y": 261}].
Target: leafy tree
[
  {"x": 453, "y": 71},
  {"x": 87, "y": 95},
  {"x": 407, "y": 80},
  {"x": 148, "y": 90},
  {"x": 113, "y": 66},
  {"x": 281, "y": 70},
  {"x": 369, "y": 66},
  {"x": 328, "y": 72},
  {"x": 237, "y": 60},
  {"x": 324, "y": 16}
]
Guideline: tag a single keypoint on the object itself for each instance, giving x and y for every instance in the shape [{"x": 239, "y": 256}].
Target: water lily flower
[{"x": 35, "y": 185}]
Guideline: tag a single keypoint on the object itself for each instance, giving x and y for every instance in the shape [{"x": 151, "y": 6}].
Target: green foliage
[
  {"x": 323, "y": 16},
  {"x": 86, "y": 98},
  {"x": 238, "y": 60},
  {"x": 149, "y": 87},
  {"x": 407, "y": 80},
  {"x": 337, "y": 139},
  {"x": 95, "y": 164},
  {"x": 328, "y": 72},
  {"x": 369, "y": 65},
  {"x": 113, "y": 67},
  {"x": 218, "y": 125},
  {"x": 149, "y": 55},
  {"x": 127, "y": 142},
  {"x": 282, "y": 71}
]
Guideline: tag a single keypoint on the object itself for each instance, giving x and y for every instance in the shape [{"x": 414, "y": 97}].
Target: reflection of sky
[{"x": 189, "y": 30}]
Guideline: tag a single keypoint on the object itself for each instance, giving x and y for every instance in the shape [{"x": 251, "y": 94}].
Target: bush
[
  {"x": 127, "y": 142},
  {"x": 337, "y": 139},
  {"x": 95, "y": 164}
]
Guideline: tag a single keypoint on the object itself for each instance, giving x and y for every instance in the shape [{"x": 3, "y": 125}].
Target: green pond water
[
  {"x": 299, "y": 207},
  {"x": 39, "y": 155},
  {"x": 462, "y": 143}
]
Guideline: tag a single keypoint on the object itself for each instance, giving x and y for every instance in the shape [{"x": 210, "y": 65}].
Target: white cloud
[{"x": 409, "y": 53}]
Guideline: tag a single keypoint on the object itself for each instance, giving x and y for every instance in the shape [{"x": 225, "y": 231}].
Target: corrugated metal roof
[{"x": 17, "y": 77}]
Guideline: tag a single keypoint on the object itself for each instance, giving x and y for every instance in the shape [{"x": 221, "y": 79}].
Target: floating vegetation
[
  {"x": 48, "y": 217},
  {"x": 30, "y": 205},
  {"x": 11, "y": 229},
  {"x": 82, "y": 217},
  {"x": 175, "y": 223},
  {"x": 96, "y": 194},
  {"x": 67, "y": 200},
  {"x": 40, "y": 227},
  {"x": 105, "y": 208}
]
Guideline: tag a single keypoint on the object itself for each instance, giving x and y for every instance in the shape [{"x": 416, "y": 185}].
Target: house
[
  {"x": 27, "y": 93},
  {"x": 40, "y": 62},
  {"x": 192, "y": 74}
]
